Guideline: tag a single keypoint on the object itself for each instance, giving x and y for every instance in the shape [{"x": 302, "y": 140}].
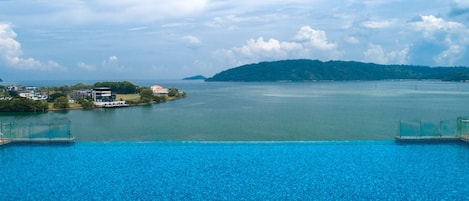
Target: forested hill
[{"x": 309, "y": 70}]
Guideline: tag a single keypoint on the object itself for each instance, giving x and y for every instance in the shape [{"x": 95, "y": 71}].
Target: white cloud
[
  {"x": 459, "y": 7},
  {"x": 352, "y": 40},
  {"x": 452, "y": 35},
  {"x": 118, "y": 12},
  {"x": 112, "y": 58},
  {"x": 461, "y": 3},
  {"x": 240, "y": 21},
  {"x": 137, "y": 28},
  {"x": 375, "y": 24},
  {"x": 88, "y": 67},
  {"x": 112, "y": 63},
  {"x": 270, "y": 48},
  {"x": 109, "y": 61},
  {"x": 308, "y": 43},
  {"x": 315, "y": 38},
  {"x": 11, "y": 53},
  {"x": 191, "y": 41},
  {"x": 451, "y": 55},
  {"x": 223, "y": 21},
  {"x": 377, "y": 54},
  {"x": 431, "y": 24}
]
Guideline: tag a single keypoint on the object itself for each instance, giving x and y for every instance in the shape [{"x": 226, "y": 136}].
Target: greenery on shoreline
[
  {"x": 313, "y": 70},
  {"x": 21, "y": 104},
  {"x": 59, "y": 96}
]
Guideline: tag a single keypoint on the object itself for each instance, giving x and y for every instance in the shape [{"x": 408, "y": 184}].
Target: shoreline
[{"x": 130, "y": 105}]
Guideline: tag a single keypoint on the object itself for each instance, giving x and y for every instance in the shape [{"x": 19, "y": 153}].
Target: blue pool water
[{"x": 354, "y": 170}]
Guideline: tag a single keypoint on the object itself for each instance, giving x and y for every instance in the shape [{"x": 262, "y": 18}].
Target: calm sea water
[
  {"x": 360, "y": 110},
  {"x": 358, "y": 170}
]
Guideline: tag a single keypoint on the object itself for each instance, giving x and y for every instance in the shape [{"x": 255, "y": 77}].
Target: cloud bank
[
  {"x": 308, "y": 43},
  {"x": 452, "y": 37},
  {"x": 12, "y": 55}
]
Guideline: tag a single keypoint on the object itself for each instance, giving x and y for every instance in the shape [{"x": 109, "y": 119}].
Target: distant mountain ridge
[{"x": 311, "y": 70}]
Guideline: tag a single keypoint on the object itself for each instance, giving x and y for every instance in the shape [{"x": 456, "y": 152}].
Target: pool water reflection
[{"x": 328, "y": 170}]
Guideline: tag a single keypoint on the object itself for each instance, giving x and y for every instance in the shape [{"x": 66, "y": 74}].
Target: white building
[
  {"x": 102, "y": 94},
  {"x": 111, "y": 104},
  {"x": 103, "y": 97},
  {"x": 159, "y": 89},
  {"x": 29, "y": 92}
]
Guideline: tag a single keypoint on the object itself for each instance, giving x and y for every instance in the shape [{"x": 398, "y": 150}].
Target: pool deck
[
  {"x": 465, "y": 138},
  {"x": 431, "y": 138},
  {"x": 4, "y": 141}
]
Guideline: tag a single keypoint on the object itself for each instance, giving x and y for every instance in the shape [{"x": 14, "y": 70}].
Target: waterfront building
[
  {"x": 159, "y": 89},
  {"x": 82, "y": 93},
  {"x": 102, "y": 94},
  {"x": 28, "y": 92},
  {"x": 103, "y": 97}
]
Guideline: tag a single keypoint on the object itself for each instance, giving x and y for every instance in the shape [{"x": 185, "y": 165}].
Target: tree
[
  {"x": 146, "y": 95},
  {"x": 61, "y": 103},
  {"x": 160, "y": 98},
  {"x": 54, "y": 96},
  {"x": 40, "y": 106},
  {"x": 4, "y": 94},
  {"x": 127, "y": 87},
  {"x": 4, "y": 105},
  {"x": 21, "y": 104},
  {"x": 85, "y": 103},
  {"x": 172, "y": 92},
  {"x": 81, "y": 86},
  {"x": 124, "y": 87}
]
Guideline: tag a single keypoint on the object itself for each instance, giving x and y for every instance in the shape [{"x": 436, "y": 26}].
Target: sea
[{"x": 325, "y": 140}]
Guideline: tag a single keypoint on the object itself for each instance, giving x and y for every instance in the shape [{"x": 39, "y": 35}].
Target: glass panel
[
  {"x": 428, "y": 128},
  {"x": 409, "y": 128},
  {"x": 55, "y": 128},
  {"x": 448, "y": 128}
]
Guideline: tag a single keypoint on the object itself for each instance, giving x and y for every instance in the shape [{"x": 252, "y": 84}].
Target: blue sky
[{"x": 156, "y": 39}]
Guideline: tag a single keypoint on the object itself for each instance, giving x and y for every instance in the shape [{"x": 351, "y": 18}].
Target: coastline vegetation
[
  {"x": 21, "y": 104},
  {"x": 59, "y": 97}
]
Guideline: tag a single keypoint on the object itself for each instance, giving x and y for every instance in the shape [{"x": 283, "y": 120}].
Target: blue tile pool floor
[{"x": 362, "y": 170}]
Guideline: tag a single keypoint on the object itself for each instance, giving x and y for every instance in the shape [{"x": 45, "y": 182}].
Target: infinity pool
[{"x": 354, "y": 170}]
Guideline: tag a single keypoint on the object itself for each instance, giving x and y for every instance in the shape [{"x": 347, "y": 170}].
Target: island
[
  {"x": 315, "y": 70},
  {"x": 197, "y": 77}
]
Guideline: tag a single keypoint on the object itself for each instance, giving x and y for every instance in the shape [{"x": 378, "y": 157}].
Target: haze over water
[{"x": 226, "y": 111}]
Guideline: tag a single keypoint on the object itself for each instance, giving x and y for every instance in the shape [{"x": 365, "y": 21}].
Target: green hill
[{"x": 311, "y": 70}]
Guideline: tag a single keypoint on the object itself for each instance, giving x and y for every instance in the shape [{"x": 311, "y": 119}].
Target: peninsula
[
  {"x": 18, "y": 98},
  {"x": 315, "y": 70}
]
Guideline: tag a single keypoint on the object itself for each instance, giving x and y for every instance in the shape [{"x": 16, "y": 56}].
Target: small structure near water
[
  {"x": 424, "y": 131},
  {"x": 53, "y": 131}
]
